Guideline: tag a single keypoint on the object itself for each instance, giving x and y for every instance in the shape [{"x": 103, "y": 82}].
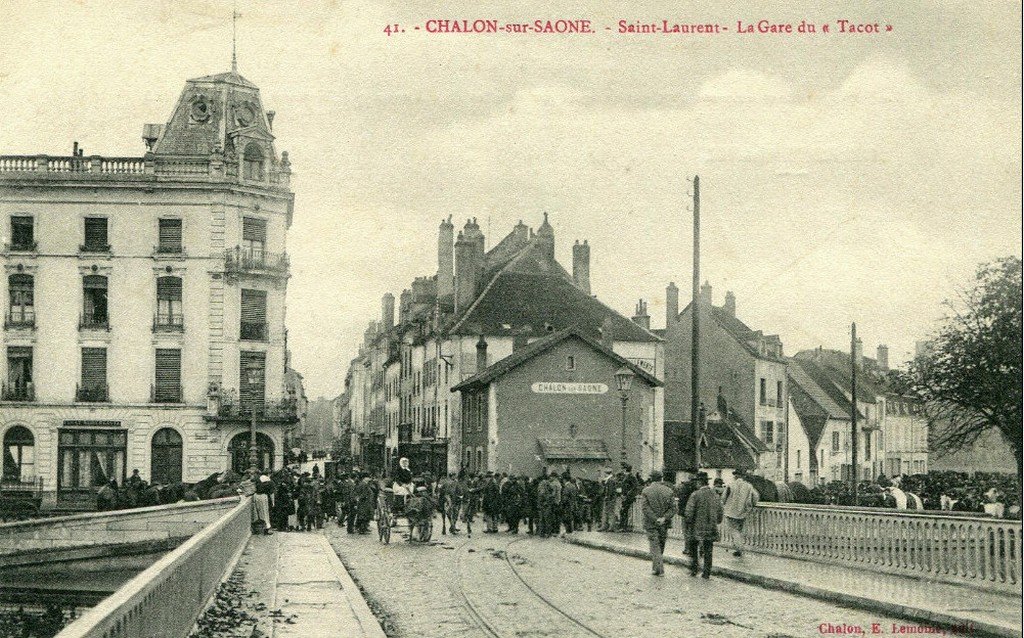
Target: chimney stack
[
  {"x": 858, "y": 352},
  {"x": 608, "y": 332},
  {"x": 387, "y": 303},
  {"x": 705, "y": 293},
  {"x": 640, "y": 317},
  {"x": 404, "y": 305},
  {"x": 730, "y": 303},
  {"x": 581, "y": 265},
  {"x": 883, "y": 358},
  {"x": 481, "y": 354},
  {"x": 546, "y": 238},
  {"x": 446, "y": 263},
  {"x": 469, "y": 260},
  {"x": 671, "y": 304}
]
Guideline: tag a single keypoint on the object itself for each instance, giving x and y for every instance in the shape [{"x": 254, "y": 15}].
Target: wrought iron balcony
[
  {"x": 22, "y": 318},
  {"x": 282, "y": 410},
  {"x": 169, "y": 249},
  {"x": 94, "y": 248},
  {"x": 243, "y": 261},
  {"x": 22, "y": 247},
  {"x": 166, "y": 394},
  {"x": 18, "y": 392},
  {"x": 253, "y": 331},
  {"x": 168, "y": 323},
  {"x": 93, "y": 322},
  {"x": 92, "y": 393}
]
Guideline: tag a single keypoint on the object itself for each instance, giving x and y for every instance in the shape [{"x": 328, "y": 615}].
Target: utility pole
[
  {"x": 853, "y": 410},
  {"x": 695, "y": 329}
]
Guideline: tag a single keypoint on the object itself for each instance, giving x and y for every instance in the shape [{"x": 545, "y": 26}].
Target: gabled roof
[
  {"x": 721, "y": 448},
  {"x": 499, "y": 368},
  {"x": 812, "y": 416},
  {"x": 836, "y": 365},
  {"x": 741, "y": 332},
  {"x": 822, "y": 398},
  {"x": 574, "y": 449}
]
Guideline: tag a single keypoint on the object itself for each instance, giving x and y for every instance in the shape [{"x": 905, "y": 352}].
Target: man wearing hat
[
  {"x": 657, "y": 504},
  {"x": 740, "y": 499},
  {"x": 683, "y": 492},
  {"x": 703, "y": 515}
]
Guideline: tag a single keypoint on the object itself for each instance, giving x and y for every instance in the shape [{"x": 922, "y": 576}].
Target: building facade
[{"x": 145, "y": 317}]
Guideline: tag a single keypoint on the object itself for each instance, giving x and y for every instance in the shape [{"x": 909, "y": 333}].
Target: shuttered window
[
  {"x": 254, "y": 315},
  {"x": 253, "y": 393},
  {"x": 170, "y": 236},
  {"x": 19, "y": 373},
  {"x": 168, "y": 302},
  {"x": 96, "y": 234},
  {"x": 22, "y": 296},
  {"x": 94, "y": 375},
  {"x": 254, "y": 237},
  {"x": 94, "y": 295},
  {"x": 22, "y": 233},
  {"x": 168, "y": 376}
]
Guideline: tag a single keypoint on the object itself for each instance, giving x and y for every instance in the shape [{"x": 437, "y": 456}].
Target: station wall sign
[{"x": 558, "y": 387}]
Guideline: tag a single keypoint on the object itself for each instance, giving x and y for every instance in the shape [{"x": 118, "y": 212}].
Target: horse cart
[{"x": 418, "y": 512}]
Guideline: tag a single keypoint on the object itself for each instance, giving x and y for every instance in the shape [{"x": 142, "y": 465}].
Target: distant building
[
  {"x": 723, "y": 449},
  {"x": 145, "y": 296},
  {"x": 742, "y": 366},
  {"x": 553, "y": 405}
]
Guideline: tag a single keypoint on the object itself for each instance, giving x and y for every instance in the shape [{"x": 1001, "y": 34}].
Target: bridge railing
[
  {"x": 165, "y": 600},
  {"x": 972, "y": 550}
]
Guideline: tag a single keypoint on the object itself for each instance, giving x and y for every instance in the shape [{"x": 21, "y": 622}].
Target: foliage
[{"x": 970, "y": 379}]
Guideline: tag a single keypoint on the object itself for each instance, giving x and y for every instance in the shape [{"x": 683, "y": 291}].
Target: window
[
  {"x": 167, "y": 387},
  {"x": 22, "y": 311},
  {"x": 254, "y": 315},
  {"x": 90, "y": 458},
  {"x": 570, "y": 363},
  {"x": 798, "y": 458},
  {"x": 22, "y": 233},
  {"x": 479, "y": 459},
  {"x": 778, "y": 393},
  {"x": 252, "y": 394},
  {"x": 19, "y": 374},
  {"x": 165, "y": 455},
  {"x": 168, "y": 304},
  {"x": 239, "y": 452},
  {"x": 19, "y": 455},
  {"x": 867, "y": 446},
  {"x": 93, "y": 387},
  {"x": 764, "y": 392},
  {"x": 254, "y": 240},
  {"x": 169, "y": 237},
  {"x": 835, "y": 442},
  {"x": 96, "y": 235},
  {"x": 253, "y": 162},
  {"x": 94, "y": 294},
  {"x": 469, "y": 459},
  {"x": 768, "y": 432}
]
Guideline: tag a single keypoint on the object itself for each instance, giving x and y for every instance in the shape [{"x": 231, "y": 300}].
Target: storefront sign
[
  {"x": 557, "y": 387},
  {"x": 647, "y": 365}
]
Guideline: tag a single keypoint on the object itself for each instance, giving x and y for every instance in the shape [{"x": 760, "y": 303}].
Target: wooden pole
[
  {"x": 853, "y": 409},
  {"x": 695, "y": 329}
]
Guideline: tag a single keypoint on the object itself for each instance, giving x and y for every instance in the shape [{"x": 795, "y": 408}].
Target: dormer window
[{"x": 253, "y": 162}]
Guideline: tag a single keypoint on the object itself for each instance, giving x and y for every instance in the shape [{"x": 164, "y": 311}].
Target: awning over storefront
[{"x": 573, "y": 449}]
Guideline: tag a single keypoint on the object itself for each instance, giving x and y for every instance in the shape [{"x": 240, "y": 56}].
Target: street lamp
[
  {"x": 254, "y": 375},
  {"x": 623, "y": 380}
]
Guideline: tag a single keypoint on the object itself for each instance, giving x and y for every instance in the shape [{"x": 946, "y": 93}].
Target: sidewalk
[
  {"x": 933, "y": 603},
  {"x": 304, "y": 579}
]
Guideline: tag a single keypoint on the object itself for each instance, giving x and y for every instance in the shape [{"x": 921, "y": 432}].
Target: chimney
[
  {"x": 522, "y": 233},
  {"x": 467, "y": 270},
  {"x": 640, "y": 317},
  {"x": 387, "y": 303},
  {"x": 883, "y": 358},
  {"x": 730, "y": 303},
  {"x": 858, "y": 352},
  {"x": 581, "y": 265},
  {"x": 546, "y": 238},
  {"x": 608, "y": 332},
  {"x": 705, "y": 293},
  {"x": 445, "y": 263},
  {"x": 671, "y": 304},
  {"x": 481, "y": 354},
  {"x": 404, "y": 305}
]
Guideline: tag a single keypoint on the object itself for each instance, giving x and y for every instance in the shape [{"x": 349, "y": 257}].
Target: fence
[
  {"x": 165, "y": 600},
  {"x": 973, "y": 550}
]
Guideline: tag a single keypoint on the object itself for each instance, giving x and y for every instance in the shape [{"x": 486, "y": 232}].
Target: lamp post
[
  {"x": 623, "y": 380},
  {"x": 254, "y": 375}
]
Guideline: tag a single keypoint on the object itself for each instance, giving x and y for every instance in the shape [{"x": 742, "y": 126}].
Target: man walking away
[
  {"x": 703, "y": 515},
  {"x": 683, "y": 492},
  {"x": 657, "y": 502},
  {"x": 740, "y": 499},
  {"x": 570, "y": 492}
]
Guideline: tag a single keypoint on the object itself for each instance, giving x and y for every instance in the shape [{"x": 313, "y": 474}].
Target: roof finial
[{"x": 234, "y": 36}]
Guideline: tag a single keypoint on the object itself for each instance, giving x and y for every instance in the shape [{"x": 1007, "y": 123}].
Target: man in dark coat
[
  {"x": 658, "y": 504},
  {"x": 570, "y": 495},
  {"x": 365, "y": 504},
  {"x": 491, "y": 504},
  {"x": 703, "y": 516},
  {"x": 631, "y": 486},
  {"x": 514, "y": 495},
  {"x": 683, "y": 492}
]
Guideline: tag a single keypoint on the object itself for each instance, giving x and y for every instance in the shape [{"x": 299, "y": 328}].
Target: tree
[{"x": 970, "y": 378}]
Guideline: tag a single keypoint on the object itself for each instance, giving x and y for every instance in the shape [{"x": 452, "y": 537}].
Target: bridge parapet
[{"x": 165, "y": 599}]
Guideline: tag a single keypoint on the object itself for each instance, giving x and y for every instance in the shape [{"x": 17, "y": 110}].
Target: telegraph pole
[
  {"x": 695, "y": 329},
  {"x": 853, "y": 410}
]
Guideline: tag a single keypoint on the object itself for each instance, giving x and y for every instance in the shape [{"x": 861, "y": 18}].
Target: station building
[{"x": 145, "y": 301}]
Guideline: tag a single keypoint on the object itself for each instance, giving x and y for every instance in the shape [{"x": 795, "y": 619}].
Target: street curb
[
  {"x": 934, "y": 618},
  {"x": 367, "y": 621}
]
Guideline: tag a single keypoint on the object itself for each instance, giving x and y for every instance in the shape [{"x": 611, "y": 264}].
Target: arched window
[
  {"x": 238, "y": 450},
  {"x": 94, "y": 295},
  {"x": 479, "y": 459},
  {"x": 166, "y": 456},
  {"x": 469, "y": 460},
  {"x": 168, "y": 303},
  {"x": 253, "y": 162},
  {"x": 22, "y": 311},
  {"x": 19, "y": 455}
]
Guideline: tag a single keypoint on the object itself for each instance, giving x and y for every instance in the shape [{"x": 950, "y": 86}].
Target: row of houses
[{"x": 503, "y": 360}]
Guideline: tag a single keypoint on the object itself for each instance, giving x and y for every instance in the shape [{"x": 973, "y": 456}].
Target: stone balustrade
[
  {"x": 165, "y": 599},
  {"x": 973, "y": 550}
]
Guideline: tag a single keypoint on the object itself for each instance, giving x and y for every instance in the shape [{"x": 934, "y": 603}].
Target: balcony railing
[
  {"x": 284, "y": 409},
  {"x": 18, "y": 392},
  {"x": 259, "y": 262},
  {"x": 94, "y": 248},
  {"x": 22, "y": 247},
  {"x": 93, "y": 322},
  {"x": 166, "y": 394},
  {"x": 92, "y": 393},
  {"x": 168, "y": 323},
  {"x": 169, "y": 249},
  {"x": 23, "y": 318},
  {"x": 253, "y": 331}
]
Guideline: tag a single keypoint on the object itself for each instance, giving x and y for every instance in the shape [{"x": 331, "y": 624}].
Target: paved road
[{"x": 505, "y": 585}]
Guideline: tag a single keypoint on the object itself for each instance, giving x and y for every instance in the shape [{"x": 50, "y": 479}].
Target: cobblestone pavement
[{"x": 507, "y": 578}]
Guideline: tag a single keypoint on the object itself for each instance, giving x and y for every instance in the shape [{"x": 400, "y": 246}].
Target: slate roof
[
  {"x": 812, "y": 416},
  {"x": 501, "y": 367},
  {"x": 741, "y": 332},
  {"x": 818, "y": 388},
  {"x": 836, "y": 365},
  {"x": 229, "y": 77},
  {"x": 722, "y": 448},
  {"x": 574, "y": 449}
]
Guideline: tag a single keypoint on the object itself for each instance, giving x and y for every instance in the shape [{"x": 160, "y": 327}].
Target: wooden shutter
[
  {"x": 94, "y": 367},
  {"x": 254, "y": 229},
  {"x": 95, "y": 232},
  {"x": 21, "y": 232},
  {"x": 170, "y": 235},
  {"x": 254, "y": 306},
  {"x": 168, "y": 375},
  {"x": 168, "y": 288},
  {"x": 252, "y": 394}
]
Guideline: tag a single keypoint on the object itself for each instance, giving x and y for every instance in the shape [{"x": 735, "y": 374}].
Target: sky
[{"x": 843, "y": 177}]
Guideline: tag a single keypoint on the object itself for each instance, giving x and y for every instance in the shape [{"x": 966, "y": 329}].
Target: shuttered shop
[{"x": 168, "y": 375}]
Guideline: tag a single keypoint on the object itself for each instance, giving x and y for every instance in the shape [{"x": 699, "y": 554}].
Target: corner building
[{"x": 145, "y": 317}]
